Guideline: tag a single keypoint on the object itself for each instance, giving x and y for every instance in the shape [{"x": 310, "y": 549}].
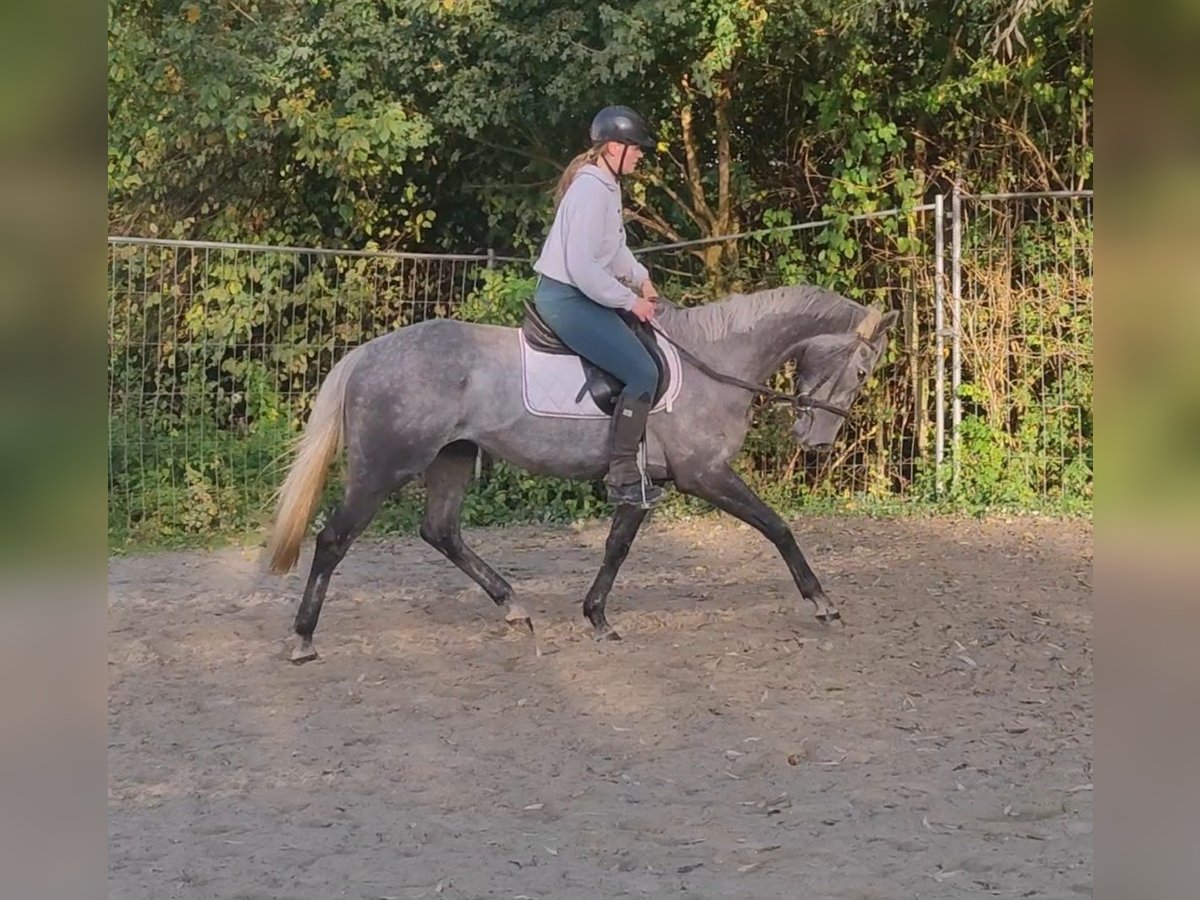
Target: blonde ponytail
[{"x": 588, "y": 156}]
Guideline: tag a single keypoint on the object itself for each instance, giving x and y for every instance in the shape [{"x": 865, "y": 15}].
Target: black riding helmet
[{"x": 621, "y": 124}]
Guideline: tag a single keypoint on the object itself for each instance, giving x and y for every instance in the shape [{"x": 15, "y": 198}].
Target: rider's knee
[{"x": 647, "y": 378}]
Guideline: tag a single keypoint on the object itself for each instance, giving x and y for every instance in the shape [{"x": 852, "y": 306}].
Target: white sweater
[{"x": 586, "y": 244}]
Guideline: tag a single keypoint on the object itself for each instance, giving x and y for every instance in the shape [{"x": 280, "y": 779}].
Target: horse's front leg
[
  {"x": 725, "y": 490},
  {"x": 625, "y": 524}
]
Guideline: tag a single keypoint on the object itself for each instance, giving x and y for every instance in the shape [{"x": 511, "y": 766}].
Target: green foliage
[
  {"x": 177, "y": 482},
  {"x": 500, "y": 299},
  {"x": 508, "y": 494},
  {"x": 339, "y": 124},
  {"x": 214, "y": 360},
  {"x": 210, "y": 103},
  {"x": 1027, "y": 393}
]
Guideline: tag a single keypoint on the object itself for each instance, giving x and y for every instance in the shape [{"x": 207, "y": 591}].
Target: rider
[{"x": 582, "y": 267}]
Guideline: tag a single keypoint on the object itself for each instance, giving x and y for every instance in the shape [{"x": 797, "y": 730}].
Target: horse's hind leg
[
  {"x": 446, "y": 482},
  {"x": 347, "y": 522}
]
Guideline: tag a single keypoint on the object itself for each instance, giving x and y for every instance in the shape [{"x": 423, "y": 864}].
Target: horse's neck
[{"x": 755, "y": 354}]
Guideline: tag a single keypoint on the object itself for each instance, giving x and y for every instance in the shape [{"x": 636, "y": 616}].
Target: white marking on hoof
[
  {"x": 515, "y": 614},
  {"x": 824, "y": 609},
  {"x": 304, "y": 652},
  {"x": 830, "y": 616}
]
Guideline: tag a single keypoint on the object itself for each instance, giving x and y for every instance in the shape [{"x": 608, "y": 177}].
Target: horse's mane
[{"x": 740, "y": 313}]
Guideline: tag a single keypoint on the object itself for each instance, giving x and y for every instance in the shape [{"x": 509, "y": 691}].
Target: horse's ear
[
  {"x": 889, "y": 319},
  {"x": 868, "y": 327}
]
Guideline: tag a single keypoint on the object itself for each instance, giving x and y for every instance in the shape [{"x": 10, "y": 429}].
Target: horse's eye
[{"x": 862, "y": 373}]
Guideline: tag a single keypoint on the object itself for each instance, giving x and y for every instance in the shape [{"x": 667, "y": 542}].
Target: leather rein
[{"x": 798, "y": 401}]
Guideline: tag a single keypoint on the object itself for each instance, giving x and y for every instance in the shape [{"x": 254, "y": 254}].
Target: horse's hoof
[
  {"x": 515, "y": 616},
  {"x": 830, "y": 617},
  {"x": 303, "y": 653},
  {"x": 525, "y": 624},
  {"x": 607, "y": 633}
]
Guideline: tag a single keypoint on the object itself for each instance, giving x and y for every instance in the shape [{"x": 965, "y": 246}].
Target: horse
[{"x": 426, "y": 398}]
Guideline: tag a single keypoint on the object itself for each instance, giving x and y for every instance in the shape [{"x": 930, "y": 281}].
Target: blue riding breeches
[{"x": 597, "y": 334}]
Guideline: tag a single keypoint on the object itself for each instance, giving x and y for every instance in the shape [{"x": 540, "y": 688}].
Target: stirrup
[{"x": 644, "y": 494}]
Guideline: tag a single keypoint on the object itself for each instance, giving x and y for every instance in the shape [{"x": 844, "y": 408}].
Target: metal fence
[
  {"x": 1021, "y": 335},
  {"x": 216, "y": 350},
  {"x": 215, "y": 353},
  {"x": 988, "y": 395},
  {"x": 883, "y": 259}
]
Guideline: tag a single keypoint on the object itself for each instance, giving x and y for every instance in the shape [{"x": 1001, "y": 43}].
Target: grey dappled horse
[{"x": 424, "y": 398}]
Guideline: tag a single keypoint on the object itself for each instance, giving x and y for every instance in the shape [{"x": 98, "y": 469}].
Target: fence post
[
  {"x": 939, "y": 338},
  {"x": 956, "y": 335},
  {"x": 491, "y": 264}
]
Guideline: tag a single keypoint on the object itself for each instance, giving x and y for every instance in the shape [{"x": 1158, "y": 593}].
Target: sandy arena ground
[{"x": 939, "y": 745}]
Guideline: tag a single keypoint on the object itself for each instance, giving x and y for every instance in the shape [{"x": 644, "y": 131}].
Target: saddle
[{"x": 603, "y": 386}]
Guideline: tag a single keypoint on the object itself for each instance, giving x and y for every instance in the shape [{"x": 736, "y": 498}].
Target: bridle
[{"x": 801, "y": 402}]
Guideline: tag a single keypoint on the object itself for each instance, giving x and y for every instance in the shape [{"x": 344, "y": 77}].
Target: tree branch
[
  {"x": 243, "y": 12},
  {"x": 679, "y": 201},
  {"x": 721, "y": 103},
  {"x": 695, "y": 183},
  {"x": 656, "y": 224},
  {"x": 516, "y": 151}
]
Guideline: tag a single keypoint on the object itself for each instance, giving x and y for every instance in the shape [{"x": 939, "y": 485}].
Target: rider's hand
[
  {"x": 649, "y": 291},
  {"x": 643, "y": 309}
]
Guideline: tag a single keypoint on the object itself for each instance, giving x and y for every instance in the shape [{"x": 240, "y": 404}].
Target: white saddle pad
[{"x": 552, "y": 383}]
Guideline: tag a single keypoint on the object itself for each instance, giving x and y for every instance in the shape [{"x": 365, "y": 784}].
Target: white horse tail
[{"x": 321, "y": 441}]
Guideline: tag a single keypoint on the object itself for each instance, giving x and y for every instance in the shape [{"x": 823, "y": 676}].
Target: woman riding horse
[{"x": 579, "y": 292}]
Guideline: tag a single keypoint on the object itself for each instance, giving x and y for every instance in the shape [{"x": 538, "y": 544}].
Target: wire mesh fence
[
  {"x": 984, "y": 397},
  {"x": 216, "y": 351},
  {"x": 884, "y": 260},
  {"x": 1022, "y": 417}
]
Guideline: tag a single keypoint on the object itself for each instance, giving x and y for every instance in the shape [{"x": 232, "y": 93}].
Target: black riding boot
[{"x": 627, "y": 484}]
